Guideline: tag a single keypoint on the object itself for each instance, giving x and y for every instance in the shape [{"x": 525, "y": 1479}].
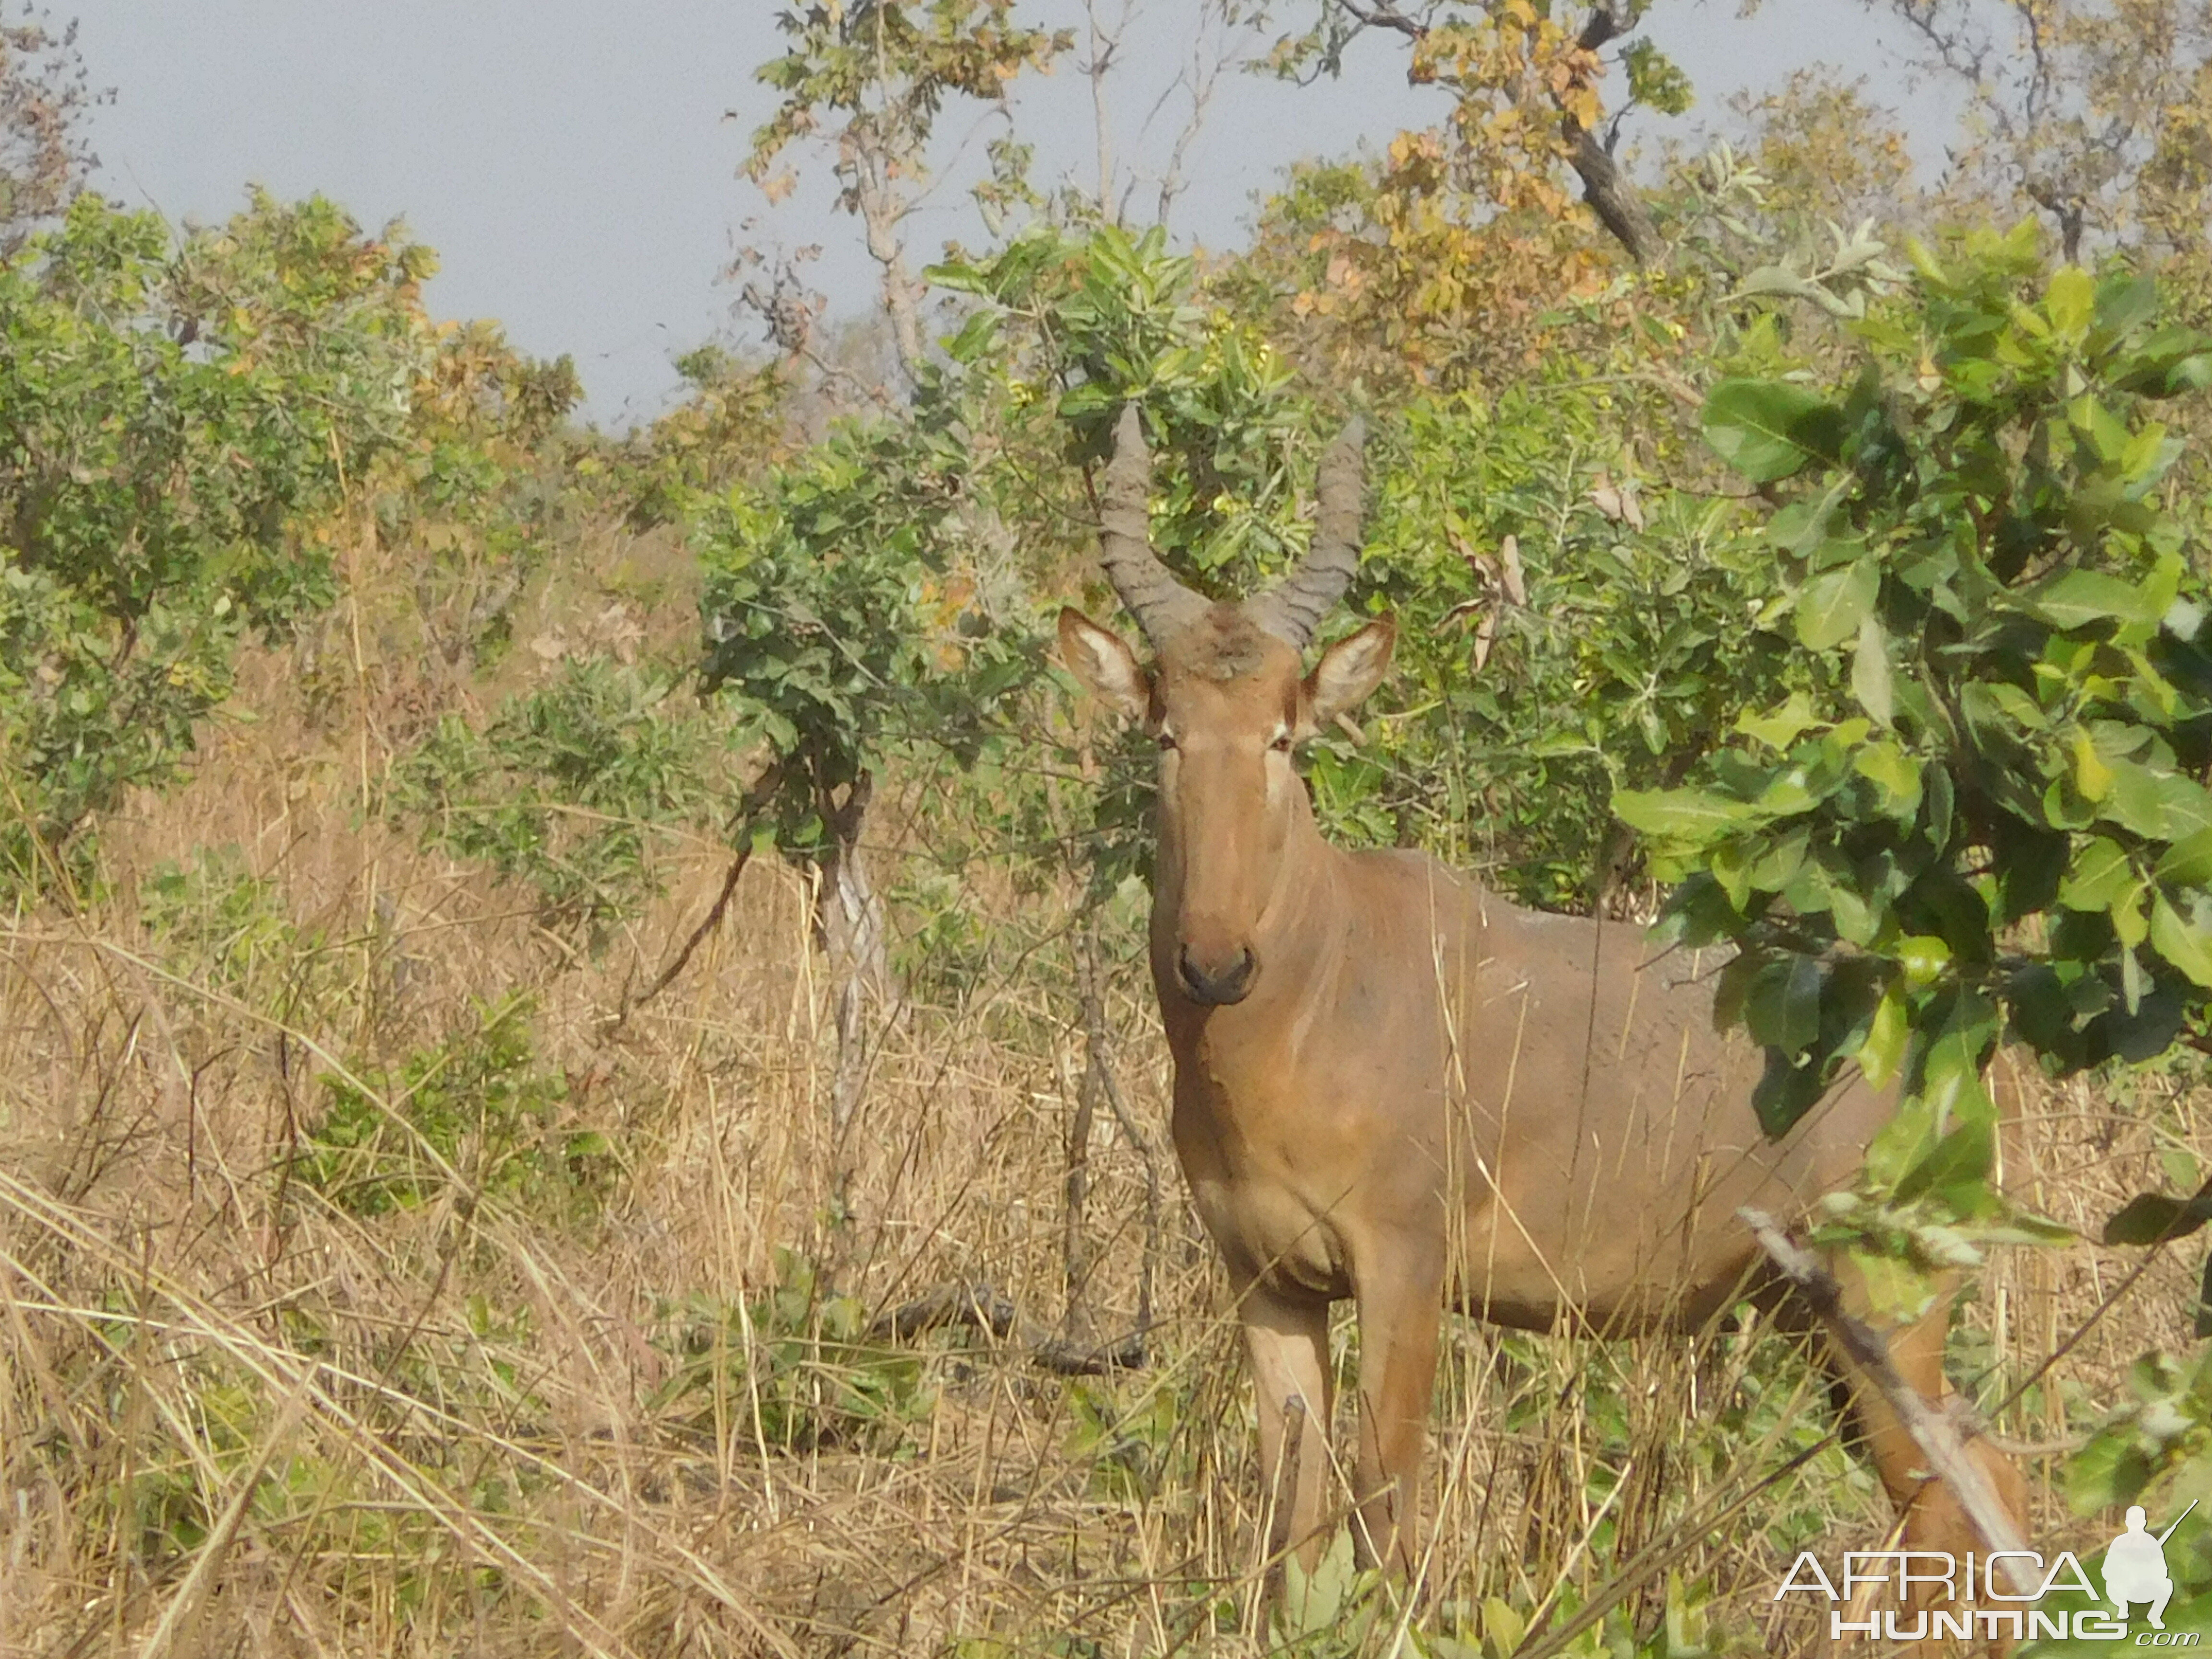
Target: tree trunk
[
  {"x": 849, "y": 922},
  {"x": 881, "y": 210}
]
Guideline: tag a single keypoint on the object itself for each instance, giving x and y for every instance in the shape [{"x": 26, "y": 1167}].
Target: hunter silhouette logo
[{"x": 2135, "y": 1567}]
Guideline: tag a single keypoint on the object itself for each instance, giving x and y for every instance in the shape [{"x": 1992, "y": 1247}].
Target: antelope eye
[
  {"x": 1281, "y": 745},
  {"x": 1166, "y": 740}
]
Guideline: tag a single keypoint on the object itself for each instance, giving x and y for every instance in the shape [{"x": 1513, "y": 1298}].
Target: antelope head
[{"x": 1227, "y": 698}]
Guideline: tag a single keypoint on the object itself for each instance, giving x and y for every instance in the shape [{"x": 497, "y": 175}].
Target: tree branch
[
  {"x": 1602, "y": 25},
  {"x": 1380, "y": 15},
  {"x": 1617, "y": 203},
  {"x": 1618, "y": 206},
  {"x": 981, "y": 1308}
]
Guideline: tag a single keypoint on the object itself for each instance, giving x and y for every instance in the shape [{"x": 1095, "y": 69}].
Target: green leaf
[
  {"x": 1901, "y": 1142},
  {"x": 2070, "y": 302},
  {"x": 1769, "y": 429},
  {"x": 2188, "y": 862},
  {"x": 2147, "y": 454},
  {"x": 958, "y": 277},
  {"x": 1314, "y": 1602},
  {"x": 2154, "y": 1217},
  {"x": 1682, "y": 815},
  {"x": 2173, "y": 360},
  {"x": 1832, "y": 605},
  {"x": 1959, "y": 1160},
  {"x": 1897, "y": 1291},
  {"x": 974, "y": 337},
  {"x": 2124, "y": 302},
  {"x": 1654, "y": 80},
  {"x": 2110, "y": 1469},
  {"x": 2091, "y": 776},
  {"x": 1870, "y": 676},
  {"x": 2101, "y": 871},
  {"x": 1778, "y": 864},
  {"x": 2078, "y": 598},
  {"x": 2126, "y": 910},
  {"x": 1783, "y": 1009},
  {"x": 2158, "y": 805},
  {"x": 1502, "y": 1628},
  {"x": 1893, "y": 771},
  {"x": 1780, "y": 727},
  {"x": 2187, "y": 947},
  {"x": 1883, "y": 1050}
]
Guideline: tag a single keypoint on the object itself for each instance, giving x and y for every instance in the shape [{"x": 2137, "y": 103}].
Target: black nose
[{"x": 1217, "y": 988}]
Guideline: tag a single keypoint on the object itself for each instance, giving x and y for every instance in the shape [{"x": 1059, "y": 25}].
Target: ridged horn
[
  {"x": 1293, "y": 608},
  {"x": 1162, "y": 605}
]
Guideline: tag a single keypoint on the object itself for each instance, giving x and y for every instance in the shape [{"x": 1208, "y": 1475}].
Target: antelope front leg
[
  {"x": 1400, "y": 1296},
  {"x": 1287, "y": 1342}
]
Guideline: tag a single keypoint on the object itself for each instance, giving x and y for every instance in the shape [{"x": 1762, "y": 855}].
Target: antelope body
[{"x": 1392, "y": 1085}]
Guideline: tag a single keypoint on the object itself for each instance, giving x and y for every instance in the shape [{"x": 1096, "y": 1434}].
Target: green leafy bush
[
  {"x": 1566, "y": 627},
  {"x": 794, "y": 1370},
  {"x": 174, "y": 422},
  {"x": 217, "y": 919},
  {"x": 567, "y": 788},
  {"x": 1984, "y": 814},
  {"x": 477, "y": 1105}
]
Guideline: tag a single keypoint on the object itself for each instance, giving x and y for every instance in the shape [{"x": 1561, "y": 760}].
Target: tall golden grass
[{"x": 630, "y": 1405}]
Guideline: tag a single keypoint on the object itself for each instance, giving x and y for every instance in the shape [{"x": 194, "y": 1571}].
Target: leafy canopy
[{"x": 1984, "y": 813}]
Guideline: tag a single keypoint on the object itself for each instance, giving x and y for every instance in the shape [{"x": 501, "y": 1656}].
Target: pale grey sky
[{"x": 572, "y": 164}]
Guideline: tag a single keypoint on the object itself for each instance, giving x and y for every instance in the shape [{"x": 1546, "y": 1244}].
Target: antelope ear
[
  {"x": 1105, "y": 666},
  {"x": 1347, "y": 672}
]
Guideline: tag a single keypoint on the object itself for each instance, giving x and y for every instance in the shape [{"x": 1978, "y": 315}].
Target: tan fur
[{"x": 1425, "y": 1093}]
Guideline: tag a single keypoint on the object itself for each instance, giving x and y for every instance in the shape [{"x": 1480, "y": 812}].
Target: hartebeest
[{"x": 1392, "y": 1085}]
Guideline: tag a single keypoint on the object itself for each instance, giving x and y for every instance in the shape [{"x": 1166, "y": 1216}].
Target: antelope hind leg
[{"x": 1934, "y": 1519}]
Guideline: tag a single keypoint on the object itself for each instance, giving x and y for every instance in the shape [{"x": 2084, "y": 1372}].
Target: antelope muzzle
[{"x": 1215, "y": 982}]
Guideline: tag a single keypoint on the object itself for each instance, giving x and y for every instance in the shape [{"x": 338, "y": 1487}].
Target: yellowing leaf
[
  {"x": 2070, "y": 302},
  {"x": 1780, "y": 727},
  {"x": 1870, "y": 674},
  {"x": 2091, "y": 776},
  {"x": 1884, "y": 1048},
  {"x": 2127, "y": 912}
]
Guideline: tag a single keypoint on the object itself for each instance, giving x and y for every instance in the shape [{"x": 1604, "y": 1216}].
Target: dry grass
[{"x": 551, "y": 1404}]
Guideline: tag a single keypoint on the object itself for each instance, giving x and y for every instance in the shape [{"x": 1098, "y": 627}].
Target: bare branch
[
  {"x": 1105, "y": 52},
  {"x": 1380, "y": 15},
  {"x": 980, "y": 1307},
  {"x": 1210, "y": 57}
]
